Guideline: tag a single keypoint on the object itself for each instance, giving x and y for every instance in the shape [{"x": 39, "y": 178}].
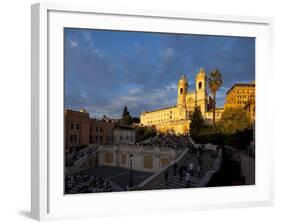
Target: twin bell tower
[{"x": 189, "y": 100}]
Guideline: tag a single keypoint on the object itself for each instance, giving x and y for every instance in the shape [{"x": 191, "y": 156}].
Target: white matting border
[{"x": 48, "y": 201}]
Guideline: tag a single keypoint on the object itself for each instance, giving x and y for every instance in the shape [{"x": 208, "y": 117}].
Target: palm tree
[{"x": 215, "y": 82}]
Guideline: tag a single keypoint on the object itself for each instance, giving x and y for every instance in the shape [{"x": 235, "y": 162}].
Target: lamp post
[{"x": 131, "y": 184}]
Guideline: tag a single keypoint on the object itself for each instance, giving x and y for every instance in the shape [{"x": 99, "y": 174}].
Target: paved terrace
[{"x": 119, "y": 176}]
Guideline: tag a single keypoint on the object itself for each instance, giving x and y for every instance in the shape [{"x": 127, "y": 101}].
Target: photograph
[{"x": 154, "y": 111}]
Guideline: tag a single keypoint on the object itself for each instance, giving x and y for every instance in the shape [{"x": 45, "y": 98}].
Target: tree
[
  {"x": 243, "y": 138},
  {"x": 215, "y": 82},
  {"x": 149, "y": 132},
  {"x": 233, "y": 120},
  {"x": 136, "y": 120},
  {"x": 143, "y": 133},
  {"x": 125, "y": 111},
  {"x": 197, "y": 121},
  {"x": 126, "y": 118}
]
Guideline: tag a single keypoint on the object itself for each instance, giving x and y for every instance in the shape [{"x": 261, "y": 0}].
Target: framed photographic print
[{"x": 148, "y": 111}]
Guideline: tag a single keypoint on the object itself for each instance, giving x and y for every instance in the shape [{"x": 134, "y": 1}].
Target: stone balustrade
[{"x": 145, "y": 158}]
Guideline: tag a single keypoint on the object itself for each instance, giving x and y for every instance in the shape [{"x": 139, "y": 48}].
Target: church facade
[{"x": 176, "y": 119}]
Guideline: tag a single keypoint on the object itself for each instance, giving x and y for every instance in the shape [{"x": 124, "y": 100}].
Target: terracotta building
[
  {"x": 81, "y": 130},
  {"x": 101, "y": 131},
  {"x": 77, "y": 124}
]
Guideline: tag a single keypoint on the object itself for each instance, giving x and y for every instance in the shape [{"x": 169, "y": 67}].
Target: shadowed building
[
  {"x": 77, "y": 124},
  {"x": 124, "y": 135},
  {"x": 81, "y": 130},
  {"x": 101, "y": 131}
]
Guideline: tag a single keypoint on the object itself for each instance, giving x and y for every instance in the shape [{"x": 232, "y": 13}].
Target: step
[{"x": 170, "y": 186}]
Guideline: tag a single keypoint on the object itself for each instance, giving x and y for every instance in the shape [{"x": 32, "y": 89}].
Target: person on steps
[
  {"x": 166, "y": 175},
  {"x": 187, "y": 179}
]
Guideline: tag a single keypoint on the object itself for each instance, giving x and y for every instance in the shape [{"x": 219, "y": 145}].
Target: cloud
[
  {"x": 167, "y": 54},
  {"x": 134, "y": 91},
  {"x": 73, "y": 43},
  {"x": 107, "y": 70},
  {"x": 172, "y": 86}
]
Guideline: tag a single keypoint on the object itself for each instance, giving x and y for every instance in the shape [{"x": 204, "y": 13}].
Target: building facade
[
  {"x": 239, "y": 95},
  {"x": 101, "y": 131},
  {"x": 209, "y": 115},
  {"x": 242, "y": 95},
  {"x": 81, "y": 130},
  {"x": 250, "y": 109},
  {"x": 124, "y": 135},
  {"x": 77, "y": 124},
  {"x": 177, "y": 118}
]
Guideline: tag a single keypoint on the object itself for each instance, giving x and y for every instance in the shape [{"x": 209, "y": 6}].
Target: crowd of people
[
  {"x": 86, "y": 184},
  {"x": 184, "y": 172},
  {"x": 187, "y": 169},
  {"x": 167, "y": 140},
  {"x": 75, "y": 157}
]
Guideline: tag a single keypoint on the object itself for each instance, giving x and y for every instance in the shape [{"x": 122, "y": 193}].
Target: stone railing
[
  {"x": 152, "y": 149},
  {"x": 248, "y": 168},
  {"x": 82, "y": 162},
  {"x": 193, "y": 143},
  {"x": 208, "y": 175},
  {"x": 150, "y": 181},
  {"x": 247, "y": 163},
  {"x": 86, "y": 149},
  {"x": 208, "y": 146}
]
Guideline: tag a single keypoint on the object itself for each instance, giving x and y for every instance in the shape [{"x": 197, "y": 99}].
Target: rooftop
[
  {"x": 165, "y": 108},
  {"x": 127, "y": 127},
  {"x": 241, "y": 85}
]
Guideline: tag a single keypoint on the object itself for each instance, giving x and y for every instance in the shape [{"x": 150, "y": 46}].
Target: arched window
[
  {"x": 181, "y": 90},
  {"x": 199, "y": 85}
]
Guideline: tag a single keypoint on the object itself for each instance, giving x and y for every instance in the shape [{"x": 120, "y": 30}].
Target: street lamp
[{"x": 131, "y": 173}]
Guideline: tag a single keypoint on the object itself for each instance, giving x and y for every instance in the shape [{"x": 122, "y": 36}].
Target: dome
[
  {"x": 201, "y": 74},
  {"x": 183, "y": 79},
  {"x": 202, "y": 70}
]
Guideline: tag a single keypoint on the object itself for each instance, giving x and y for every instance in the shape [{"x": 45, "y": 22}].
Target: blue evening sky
[{"x": 107, "y": 70}]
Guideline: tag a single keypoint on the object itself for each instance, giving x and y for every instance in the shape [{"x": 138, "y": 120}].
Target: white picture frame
[{"x": 48, "y": 201}]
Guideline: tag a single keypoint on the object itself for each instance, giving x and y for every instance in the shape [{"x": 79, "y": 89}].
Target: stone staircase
[{"x": 174, "y": 181}]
